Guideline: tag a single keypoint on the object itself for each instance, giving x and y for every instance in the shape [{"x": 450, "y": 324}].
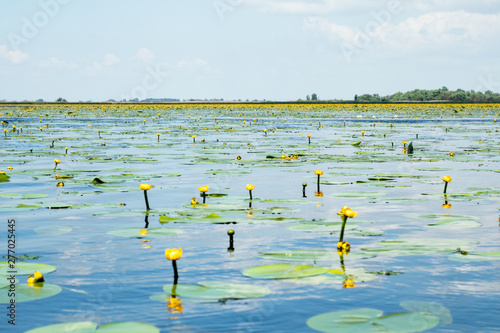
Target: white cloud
[
  {"x": 57, "y": 63},
  {"x": 324, "y": 7},
  {"x": 145, "y": 55},
  {"x": 110, "y": 59},
  {"x": 14, "y": 57},
  {"x": 434, "y": 30}
]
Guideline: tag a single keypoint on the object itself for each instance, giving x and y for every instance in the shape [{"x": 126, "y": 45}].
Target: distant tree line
[{"x": 442, "y": 94}]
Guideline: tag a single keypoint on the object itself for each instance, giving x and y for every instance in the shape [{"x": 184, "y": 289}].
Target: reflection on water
[{"x": 108, "y": 279}]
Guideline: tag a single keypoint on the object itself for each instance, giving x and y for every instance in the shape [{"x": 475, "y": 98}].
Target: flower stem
[
  {"x": 146, "y": 198},
  {"x": 204, "y": 196},
  {"x": 176, "y": 275},
  {"x": 445, "y": 187},
  {"x": 318, "y": 184},
  {"x": 250, "y": 191},
  {"x": 344, "y": 222}
]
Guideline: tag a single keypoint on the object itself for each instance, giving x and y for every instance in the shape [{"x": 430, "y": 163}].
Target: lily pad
[
  {"x": 26, "y": 293},
  {"x": 311, "y": 255},
  {"x": 72, "y": 327},
  {"x": 371, "y": 320},
  {"x": 91, "y": 327},
  {"x": 283, "y": 271},
  {"x": 4, "y": 282},
  {"x": 217, "y": 290},
  {"x": 52, "y": 230},
  {"x": 137, "y": 232},
  {"x": 26, "y": 268},
  {"x": 433, "y": 308},
  {"x": 475, "y": 256},
  {"x": 420, "y": 246},
  {"x": 24, "y": 196}
]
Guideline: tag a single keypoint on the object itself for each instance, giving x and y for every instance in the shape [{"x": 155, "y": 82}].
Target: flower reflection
[
  {"x": 174, "y": 306},
  {"x": 349, "y": 283}
]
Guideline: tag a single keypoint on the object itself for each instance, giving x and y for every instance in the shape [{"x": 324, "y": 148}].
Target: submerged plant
[
  {"x": 446, "y": 180},
  {"x": 145, "y": 188},
  {"x": 345, "y": 213}
]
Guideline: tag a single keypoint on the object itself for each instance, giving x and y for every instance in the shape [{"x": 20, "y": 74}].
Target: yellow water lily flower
[
  {"x": 145, "y": 187},
  {"x": 452, "y": 154},
  {"x": 346, "y": 211},
  {"x": 173, "y": 254},
  {"x": 318, "y": 172},
  {"x": 57, "y": 161},
  {"x": 447, "y": 179},
  {"x": 194, "y": 201},
  {"x": 203, "y": 189},
  {"x": 250, "y": 187},
  {"x": 35, "y": 278},
  {"x": 343, "y": 246},
  {"x": 447, "y": 206}
]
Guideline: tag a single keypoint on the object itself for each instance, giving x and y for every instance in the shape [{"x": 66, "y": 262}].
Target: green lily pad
[
  {"x": 217, "y": 290},
  {"x": 475, "y": 256},
  {"x": 312, "y": 255},
  {"x": 371, "y": 320},
  {"x": 26, "y": 293},
  {"x": 26, "y": 268},
  {"x": 6, "y": 283},
  {"x": 52, "y": 230},
  {"x": 145, "y": 233},
  {"x": 128, "y": 327},
  {"x": 4, "y": 177},
  {"x": 72, "y": 327},
  {"x": 360, "y": 194},
  {"x": 420, "y": 246},
  {"x": 24, "y": 196},
  {"x": 433, "y": 308},
  {"x": 283, "y": 271},
  {"x": 91, "y": 327}
]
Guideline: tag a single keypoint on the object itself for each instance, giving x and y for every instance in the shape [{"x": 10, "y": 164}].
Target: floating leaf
[
  {"x": 24, "y": 196},
  {"x": 26, "y": 268},
  {"x": 217, "y": 290},
  {"x": 91, "y": 327},
  {"x": 312, "y": 255},
  {"x": 371, "y": 320},
  {"x": 433, "y": 308},
  {"x": 475, "y": 256},
  {"x": 145, "y": 233},
  {"x": 283, "y": 271},
  {"x": 128, "y": 327},
  {"x": 26, "y": 293},
  {"x": 72, "y": 327},
  {"x": 420, "y": 246},
  {"x": 52, "y": 230},
  {"x": 6, "y": 282}
]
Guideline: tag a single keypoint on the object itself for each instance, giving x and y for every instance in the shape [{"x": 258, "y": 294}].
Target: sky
[{"x": 245, "y": 49}]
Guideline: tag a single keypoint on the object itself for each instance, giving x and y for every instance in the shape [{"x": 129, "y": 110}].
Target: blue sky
[{"x": 245, "y": 49}]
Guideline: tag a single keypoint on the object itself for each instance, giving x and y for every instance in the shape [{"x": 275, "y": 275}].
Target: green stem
[
  {"x": 318, "y": 183},
  {"x": 203, "y": 195},
  {"x": 176, "y": 275},
  {"x": 250, "y": 191},
  {"x": 344, "y": 222},
  {"x": 445, "y": 186},
  {"x": 146, "y": 198}
]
